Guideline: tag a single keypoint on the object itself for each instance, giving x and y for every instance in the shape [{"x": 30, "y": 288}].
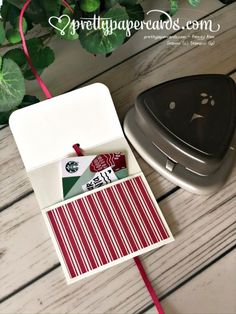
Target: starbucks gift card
[{"x": 85, "y": 173}]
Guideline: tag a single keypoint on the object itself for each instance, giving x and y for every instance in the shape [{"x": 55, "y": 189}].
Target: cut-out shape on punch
[{"x": 190, "y": 120}]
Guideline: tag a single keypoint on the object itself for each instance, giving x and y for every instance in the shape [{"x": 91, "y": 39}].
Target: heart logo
[{"x": 55, "y": 21}]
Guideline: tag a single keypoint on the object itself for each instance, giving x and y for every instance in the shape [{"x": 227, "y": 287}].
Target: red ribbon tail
[{"x": 149, "y": 286}]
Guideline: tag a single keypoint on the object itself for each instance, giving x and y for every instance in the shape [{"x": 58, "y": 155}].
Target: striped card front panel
[{"x": 106, "y": 225}]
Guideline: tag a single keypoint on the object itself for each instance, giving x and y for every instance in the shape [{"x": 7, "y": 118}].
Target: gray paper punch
[{"x": 185, "y": 130}]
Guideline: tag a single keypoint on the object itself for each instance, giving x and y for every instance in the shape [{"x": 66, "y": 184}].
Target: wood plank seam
[
  {"x": 57, "y": 265},
  {"x": 161, "y": 198},
  {"x": 143, "y": 50},
  {"x": 29, "y": 283},
  {"x": 228, "y": 248},
  {"x": 231, "y": 245},
  {"x": 7, "y": 205},
  {"x": 164, "y": 296},
  {"x": 165, "y": 195},
  {"x": 231, "y": 72},
  {"x": 209, "y": 251},
  {"x": 16, "y": 200}
]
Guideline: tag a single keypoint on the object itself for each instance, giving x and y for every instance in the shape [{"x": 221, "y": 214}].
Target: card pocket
[{"x": 98, "y": 229}]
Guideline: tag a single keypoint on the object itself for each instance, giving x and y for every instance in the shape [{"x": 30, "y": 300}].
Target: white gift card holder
[{"x": 103, "y": 227}]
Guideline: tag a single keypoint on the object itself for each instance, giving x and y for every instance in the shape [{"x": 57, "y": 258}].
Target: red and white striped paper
[{"x": 102, "y": 227}]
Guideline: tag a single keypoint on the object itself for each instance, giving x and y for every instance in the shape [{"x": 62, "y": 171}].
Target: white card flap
[{"x": 46, "y": 131}]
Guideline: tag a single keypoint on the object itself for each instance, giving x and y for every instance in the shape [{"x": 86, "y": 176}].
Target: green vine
[{"x": 14, "y": 69}]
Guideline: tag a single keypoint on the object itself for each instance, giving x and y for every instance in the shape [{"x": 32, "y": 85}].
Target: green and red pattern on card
[{"x": 85, "y": 173}]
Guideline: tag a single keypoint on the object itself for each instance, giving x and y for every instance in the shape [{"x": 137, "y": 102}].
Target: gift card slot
[
  {"x": 47, "y": 179},
  {"x": 100, "y": 228}
]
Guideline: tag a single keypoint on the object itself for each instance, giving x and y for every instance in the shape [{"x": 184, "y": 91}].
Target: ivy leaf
[
  {"x": 17, "y": 55},
  {"x": 27, "y": 101},
  {"x": 28, "y": 74},
  {"x": 2, "y": 33},
  {"x": 17, "y": 3},
  {"x": 4, "y": 116},
  {"x": 51, "y": 7},
  {"x": 12, "y": 85},
  {"x": 40, "y": 55},
  {"x": 35, "y": 12},
  {"x": 174, "y": 5},
  {"x": 63, "y": 23},
  {"x": 9, "y": 13},
  {"x": 128, "y": 2},
  {"x": 89, "y": 5},
  {"x": 110, "y": 3},
  {"x": 194, "y": 3},
  {"x": 13, "y": 34},
  {"x": 96, "y": 42},
  {"x": 39, "y": 10},
  {"x": 135, "y": 12}
]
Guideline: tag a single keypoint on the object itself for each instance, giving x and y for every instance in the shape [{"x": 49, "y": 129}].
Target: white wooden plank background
[
  {"x": 142, "y": 71},
  {"x": 209, "y": 292},
  {"x": 203, "y": 229},
  {"x": 204, "y": 226}
]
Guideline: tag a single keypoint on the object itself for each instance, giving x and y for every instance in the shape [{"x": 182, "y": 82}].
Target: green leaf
[
  {"x": 39, "y": 10},
  {"x": 66, "y": 34},
  {"x": 194, "y": 3},
  {"x": 96, "y": 42},
  {"x": 174, "y": 5},
  {"x": 135, "y": 12},
  {"x": 51, "y": 7},
  {"x": 36, "y": 13},
  {"x": 2, "y": 33},
  {"x": 17, "y": 3},
  {"x": 128, "y": 2},
  {"x": 27, "y": 101},
  {"x": 4, "y": 116},
  {"x": 110, "y": 3},
  {"x": 89, "y": 5},
  {"x": 12, "y": 85},
  {"x": 13, "y": 34},
  {"x": 28, "y": 74},
  {"x": 17, "y": 55},
  {"x": 9, "y": 13},
  {"x": 40, "y": 55}
]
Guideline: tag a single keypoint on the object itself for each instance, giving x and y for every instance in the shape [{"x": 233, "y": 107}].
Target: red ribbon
[
  {"x": 137, "y": 262},
  {"x": 26, "y": 52},
  {"x": 77, "y": 146},
  {"x": 149, "y": 286}
]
